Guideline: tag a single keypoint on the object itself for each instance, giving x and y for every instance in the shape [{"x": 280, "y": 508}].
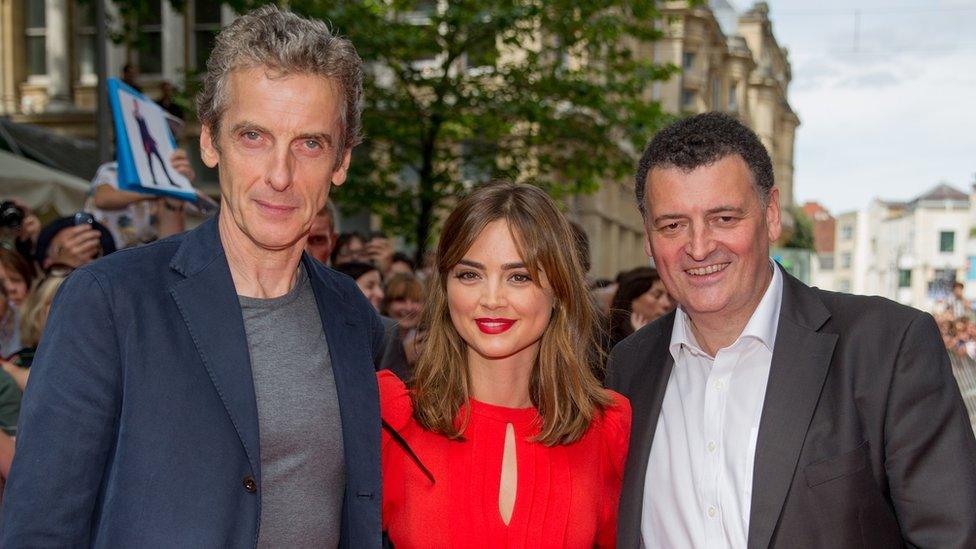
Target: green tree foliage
[
  {"x": 550, "y": 92},
  {"x": 802, "y": 236}
]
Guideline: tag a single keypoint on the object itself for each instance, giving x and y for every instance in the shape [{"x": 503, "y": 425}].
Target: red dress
[{"x": 566, "y": 495}]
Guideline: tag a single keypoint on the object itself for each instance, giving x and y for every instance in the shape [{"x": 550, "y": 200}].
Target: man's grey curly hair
[{"x": 285, "y": 44}]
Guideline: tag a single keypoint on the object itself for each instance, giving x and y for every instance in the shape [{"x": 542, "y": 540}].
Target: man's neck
[
  {"x": 719, "y": 330},
  {"x": 257, "y": 272}
]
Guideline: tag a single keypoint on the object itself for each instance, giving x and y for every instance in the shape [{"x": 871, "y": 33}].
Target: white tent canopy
[{"x": 39, "y": 186}]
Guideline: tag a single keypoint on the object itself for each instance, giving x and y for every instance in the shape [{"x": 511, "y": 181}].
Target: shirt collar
[{"x": 762, "y": 324}]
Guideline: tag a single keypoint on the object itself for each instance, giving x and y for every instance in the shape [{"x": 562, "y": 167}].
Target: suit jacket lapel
[
  {"x": 801, "y": 358},
  {"x": 352, "y": 369},
  {"x": 207, "y": 300},
  {"x": 647, "y": 397}
]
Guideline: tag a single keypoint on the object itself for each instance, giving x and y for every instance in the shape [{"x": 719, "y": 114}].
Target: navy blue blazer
[{"x": 139, "y": 425}]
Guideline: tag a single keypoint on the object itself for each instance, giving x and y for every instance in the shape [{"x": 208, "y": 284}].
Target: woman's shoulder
[
  {"x": 396, "y": 408},
  {"x": 613, "y": 425}
]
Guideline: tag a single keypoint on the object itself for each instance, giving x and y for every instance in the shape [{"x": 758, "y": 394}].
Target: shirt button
[
  {"x": 711, "y": 446},
  {"x": 720, "y": 385},
  {"x": 250, "y": 485},
  {"x": 711, "y": 512}
]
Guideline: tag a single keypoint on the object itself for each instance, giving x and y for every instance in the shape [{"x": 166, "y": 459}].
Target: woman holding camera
[{"x": 505, "y": 437}]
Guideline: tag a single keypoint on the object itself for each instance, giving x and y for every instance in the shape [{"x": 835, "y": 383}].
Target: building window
[
  {"x": 845, "y": 286},
  {"x": 846, "y": 232},
  {"x": 904, "y": 278},
  {"x": 688, "y": 99},
  {"x": 845, "y": 260},
  {"x": 716, "y": 94},
  {"x": 151, "y": 39},
  {"x": 206, "y": 25},
  {"x": 947, "y": 241},
  {"x": 35, "y": 30},
  {"x": 688, "y": 60},
  {"x": 826, "y": 262},
  {"x": 85, "y": 39},
  {"x": 733, "y": 100}
]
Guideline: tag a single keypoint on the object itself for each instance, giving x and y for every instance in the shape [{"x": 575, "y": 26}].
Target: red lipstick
[{"x": 494, "y": 326}]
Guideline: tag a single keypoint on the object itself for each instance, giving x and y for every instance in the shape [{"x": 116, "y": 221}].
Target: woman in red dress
[{"x": 505, "y": 438}]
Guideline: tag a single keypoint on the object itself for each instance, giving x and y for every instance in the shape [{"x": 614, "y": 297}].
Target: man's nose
[
  {"x": 701, "y": 243},
  {"x": 281, "y": 170}
]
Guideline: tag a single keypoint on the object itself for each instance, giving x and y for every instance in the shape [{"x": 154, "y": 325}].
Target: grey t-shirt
[{"x": 302, "y": 465}]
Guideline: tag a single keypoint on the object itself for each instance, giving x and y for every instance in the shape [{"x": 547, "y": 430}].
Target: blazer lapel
[
  {"x": 207, "y": 300},
  {"x": 801, "y": 358},
  {"x": 654, "y": 358},
  {"x": 353, "y": 371}
]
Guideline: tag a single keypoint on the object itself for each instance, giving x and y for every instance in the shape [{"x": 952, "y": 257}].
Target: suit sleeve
[
  {"x": 68, "y": 422},
  {"x": 929, "y": 444}
]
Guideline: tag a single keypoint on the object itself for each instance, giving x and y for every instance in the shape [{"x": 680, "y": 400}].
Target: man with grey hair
[
  {"x": 216, "y": 388},
  {"x": 768, "y": 413}
]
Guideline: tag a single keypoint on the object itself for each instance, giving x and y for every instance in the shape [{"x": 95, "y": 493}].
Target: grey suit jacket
[{"x": 864, "y": 440}]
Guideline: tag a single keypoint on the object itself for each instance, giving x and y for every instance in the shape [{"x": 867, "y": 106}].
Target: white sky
[{"x": 891, "y": 118}]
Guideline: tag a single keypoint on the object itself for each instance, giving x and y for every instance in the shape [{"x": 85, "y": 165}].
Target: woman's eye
[
  {"x": 466, "y": 275},
  {"x": 521, "y": 277}
]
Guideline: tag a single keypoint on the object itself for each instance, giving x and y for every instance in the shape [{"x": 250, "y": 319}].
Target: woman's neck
[{"x": 502, "y": 381}]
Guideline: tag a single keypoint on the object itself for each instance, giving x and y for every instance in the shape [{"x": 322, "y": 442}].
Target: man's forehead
[{"x": 267, "y": 97}]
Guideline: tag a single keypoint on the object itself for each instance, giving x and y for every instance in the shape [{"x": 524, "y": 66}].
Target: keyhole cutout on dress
[{"x": 509, "y": 480}]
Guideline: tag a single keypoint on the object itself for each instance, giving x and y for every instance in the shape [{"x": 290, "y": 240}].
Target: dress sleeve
[
  {"x": 395, "y": 406},
  {"x": 615, "y": 427}
]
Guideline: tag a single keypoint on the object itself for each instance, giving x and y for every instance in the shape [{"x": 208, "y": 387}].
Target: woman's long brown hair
[{"x": 562, "y": 387}]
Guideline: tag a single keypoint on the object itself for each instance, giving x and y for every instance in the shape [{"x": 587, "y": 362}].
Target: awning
[{"x": 39, "y": 186}]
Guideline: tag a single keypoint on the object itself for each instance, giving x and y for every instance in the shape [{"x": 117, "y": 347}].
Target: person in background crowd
[
  {"x": 956, "y": 303},
  {"x": 137, "y": 218},
  {"x": 10, "y": 390},
  {"x": 403, "y": 303},
  {"x": 63, "y": 246},
  {"x": 19, "y": 228},
  {"x": 17, "y": 276},
  {"x": 130, "y": 76},
  {"x": 768, "y": 413},
  {"x": 166, "y": 101},
  {"x": 640, "y": 298},
  {"x": 217, "y": 388},
  {"x": 401, "y": 264},
  {"x": 349, "y": 247},
  {"x": 9, "y": 325},
  {"x": 322, "y": 234},
  {"x": 368, "y": 279},
  {"x": 32, "y": 323},
  {"x": 503, "y": 401}
]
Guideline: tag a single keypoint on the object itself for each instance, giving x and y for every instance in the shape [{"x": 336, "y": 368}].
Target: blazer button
[{"x": 250, "y": 485}]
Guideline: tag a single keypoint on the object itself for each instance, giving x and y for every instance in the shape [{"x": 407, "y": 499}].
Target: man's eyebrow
[
  {"x": 710, "y": 211},
  {"x": 248, "y": 125}
]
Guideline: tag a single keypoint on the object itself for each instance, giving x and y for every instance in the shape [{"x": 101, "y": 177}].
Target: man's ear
[
  {"x": 342, "y": 169},
  {"x": 208, "y": 152},
  {"x": 773, "y": 222}
]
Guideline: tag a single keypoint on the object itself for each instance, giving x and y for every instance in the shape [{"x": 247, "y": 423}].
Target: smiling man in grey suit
[{"x": 768, "y": 413}]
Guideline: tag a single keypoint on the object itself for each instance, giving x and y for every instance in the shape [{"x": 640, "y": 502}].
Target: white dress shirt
[{"x": 698, "y": 487}]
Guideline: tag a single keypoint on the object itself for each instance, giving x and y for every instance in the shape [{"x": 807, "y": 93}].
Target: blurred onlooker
[
  {"x": 401, "y": 264},
  {"x": 640, "y": 298},
  {"x": 9, "y": 325},
  {"x": 322, "y": 235},
  {"x": 19, "y": 228},
  {"x": 403, "y": 301},
  {"x": 166, "y": 101},
  {"x": 33, "y": 319},
  {"x": 956, "y": 303},
  {"x": 130, "y": 75},
  {"x": 137, "y": 218},
  {"x": 17, "y": 276},
  {"x": 349, "y": 247},
  {"x": 64, "y": 245},
  {"x": 367, "y": 278},
  {"x": 379, "y": 250}
]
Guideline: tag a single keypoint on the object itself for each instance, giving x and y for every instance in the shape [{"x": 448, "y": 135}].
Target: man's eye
[
  {"x": 251, "y": 135},
  {"x": 313, "y": 144}
]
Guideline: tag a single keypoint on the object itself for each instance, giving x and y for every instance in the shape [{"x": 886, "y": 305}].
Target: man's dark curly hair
[{"x": 702, "y": 140}]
